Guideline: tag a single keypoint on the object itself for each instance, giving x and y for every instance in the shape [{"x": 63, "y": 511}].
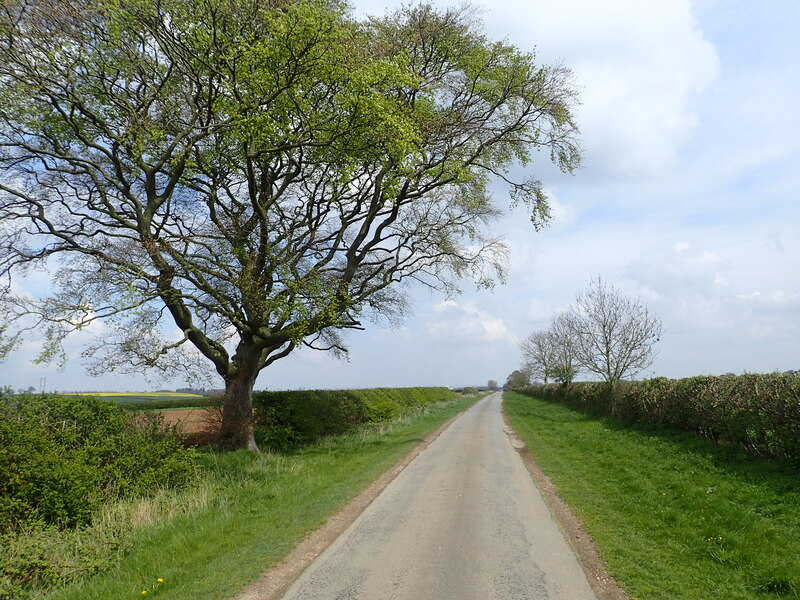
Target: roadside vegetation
[
  {"x": 238, "y": 513},
  {"x": 675, "y": 515},
  {"x": 68, "y": 467},
  {"x": 760, "y": 413}
]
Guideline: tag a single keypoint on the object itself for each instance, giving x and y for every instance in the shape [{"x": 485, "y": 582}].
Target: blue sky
[{"x": 688, "y": 198}]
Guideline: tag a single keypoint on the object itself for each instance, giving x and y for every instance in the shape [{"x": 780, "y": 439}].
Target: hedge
[
  {"x": 759, "y": 412},
  {"x": 63, "y": 457},
  {"x": 293, "y": 418}
]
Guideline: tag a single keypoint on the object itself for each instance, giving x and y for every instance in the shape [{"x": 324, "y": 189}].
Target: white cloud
[
  {"x": 539, "y": 311},
  {"x": 681, "y": 247},
  {"x": 563, "y": 216},
  {"x": 455, "y": 321},
  {"x": 683, "y": 268},
  {"x": 639, "y": 66},
  {"x": 34, "y": 283}
]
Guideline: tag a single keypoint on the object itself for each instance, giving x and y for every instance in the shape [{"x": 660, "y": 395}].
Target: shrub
[
  {"x": 63, "y": 457},
  {"x": 293, "y": 418}
]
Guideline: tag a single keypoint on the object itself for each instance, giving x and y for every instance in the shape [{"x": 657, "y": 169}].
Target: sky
[{"x": 687, "y": 199}]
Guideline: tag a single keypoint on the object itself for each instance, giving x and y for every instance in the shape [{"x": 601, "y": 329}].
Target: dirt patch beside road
[
  {"x": 188, "y": 420},
  {"x": 197, "y": 426}
]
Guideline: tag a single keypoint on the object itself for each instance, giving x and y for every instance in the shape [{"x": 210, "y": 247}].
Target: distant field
[{"x": 123, "y": 397}]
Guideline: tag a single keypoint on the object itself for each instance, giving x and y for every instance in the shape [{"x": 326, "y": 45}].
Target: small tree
[
  {"x": 257, "y": 174},
  {"x": 539, "y": 355},
  {"x": 492, "y": 384},
  {"x": 519, "y": 378},
  {"x": 564, "y": 366},
  {"x": 614, "y": 336},
  {"x": 550, "y": 354}
]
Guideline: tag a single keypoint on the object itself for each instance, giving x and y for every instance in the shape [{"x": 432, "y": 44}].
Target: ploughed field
[{"x": 188, "y": 420}]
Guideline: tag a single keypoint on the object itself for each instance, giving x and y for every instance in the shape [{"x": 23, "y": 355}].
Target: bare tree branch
[{"x": 614, "y": 335}]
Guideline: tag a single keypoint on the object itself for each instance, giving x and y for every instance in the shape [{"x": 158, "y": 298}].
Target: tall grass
[
  {"x": 253, "y": 511},
  {"x": 675, "y": 516}
]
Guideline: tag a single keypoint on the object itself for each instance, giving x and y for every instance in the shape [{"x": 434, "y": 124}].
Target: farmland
[{"x": 126, "y": 397}]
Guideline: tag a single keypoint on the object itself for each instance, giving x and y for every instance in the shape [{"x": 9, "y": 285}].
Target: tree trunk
[
  {"x": 236, "y": 431},
  {"x": 613, "y": 391}
]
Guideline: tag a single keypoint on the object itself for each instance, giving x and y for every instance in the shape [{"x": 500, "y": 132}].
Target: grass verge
[
  {"x": 674, "y": 516},
  {"x": 254, "y": 510}
]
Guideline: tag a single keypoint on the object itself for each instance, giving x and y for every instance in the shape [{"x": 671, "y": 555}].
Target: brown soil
[
  {"x": 188, "y": 420},
  {"x": 198, "y": 425}
]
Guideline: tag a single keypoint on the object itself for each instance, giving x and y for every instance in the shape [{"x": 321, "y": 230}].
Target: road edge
[
  {"x": 582, "y": 544},
  {"x": 273, "y": 583}
]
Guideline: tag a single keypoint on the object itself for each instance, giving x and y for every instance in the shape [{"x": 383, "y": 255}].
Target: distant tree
[
  {"x": 518, "y": 378},
  {"x": 257, "y": 174},
  {"x": 492, "y": 385},
  {"x": 564, "y": 364},
  {"x": 550, "y": 354},
  {"x": 614, "y": 336},
  {"x": 538, "y": 355}
]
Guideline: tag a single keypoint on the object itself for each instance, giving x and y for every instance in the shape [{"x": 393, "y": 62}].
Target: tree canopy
[
  {"x": 550, "y": 354},
  {"x": 614, "y": 335},
  {"x": 261, "y": 174}
]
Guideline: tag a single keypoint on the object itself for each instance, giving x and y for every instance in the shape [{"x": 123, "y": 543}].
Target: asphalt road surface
[{"x": 463, "y": 521}]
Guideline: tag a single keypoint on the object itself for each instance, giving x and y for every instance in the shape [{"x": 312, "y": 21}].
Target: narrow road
[{"x": 463, "y": 521}]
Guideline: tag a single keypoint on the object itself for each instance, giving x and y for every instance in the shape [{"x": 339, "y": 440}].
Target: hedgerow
[
  {"x": 62, "y": 460},
  {"x": 293, "y": 418},
  {"x": 759, "y": 412},
  {"x": 63, "y": 457}
]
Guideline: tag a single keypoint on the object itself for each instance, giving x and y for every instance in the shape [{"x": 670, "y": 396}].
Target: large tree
[{"x": 261, "y": 174}]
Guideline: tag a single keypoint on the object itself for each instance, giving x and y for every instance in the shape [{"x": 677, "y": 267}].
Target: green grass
[
  {"x": 254, "y": 509},
  {"x": 675, "y": 516}
]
